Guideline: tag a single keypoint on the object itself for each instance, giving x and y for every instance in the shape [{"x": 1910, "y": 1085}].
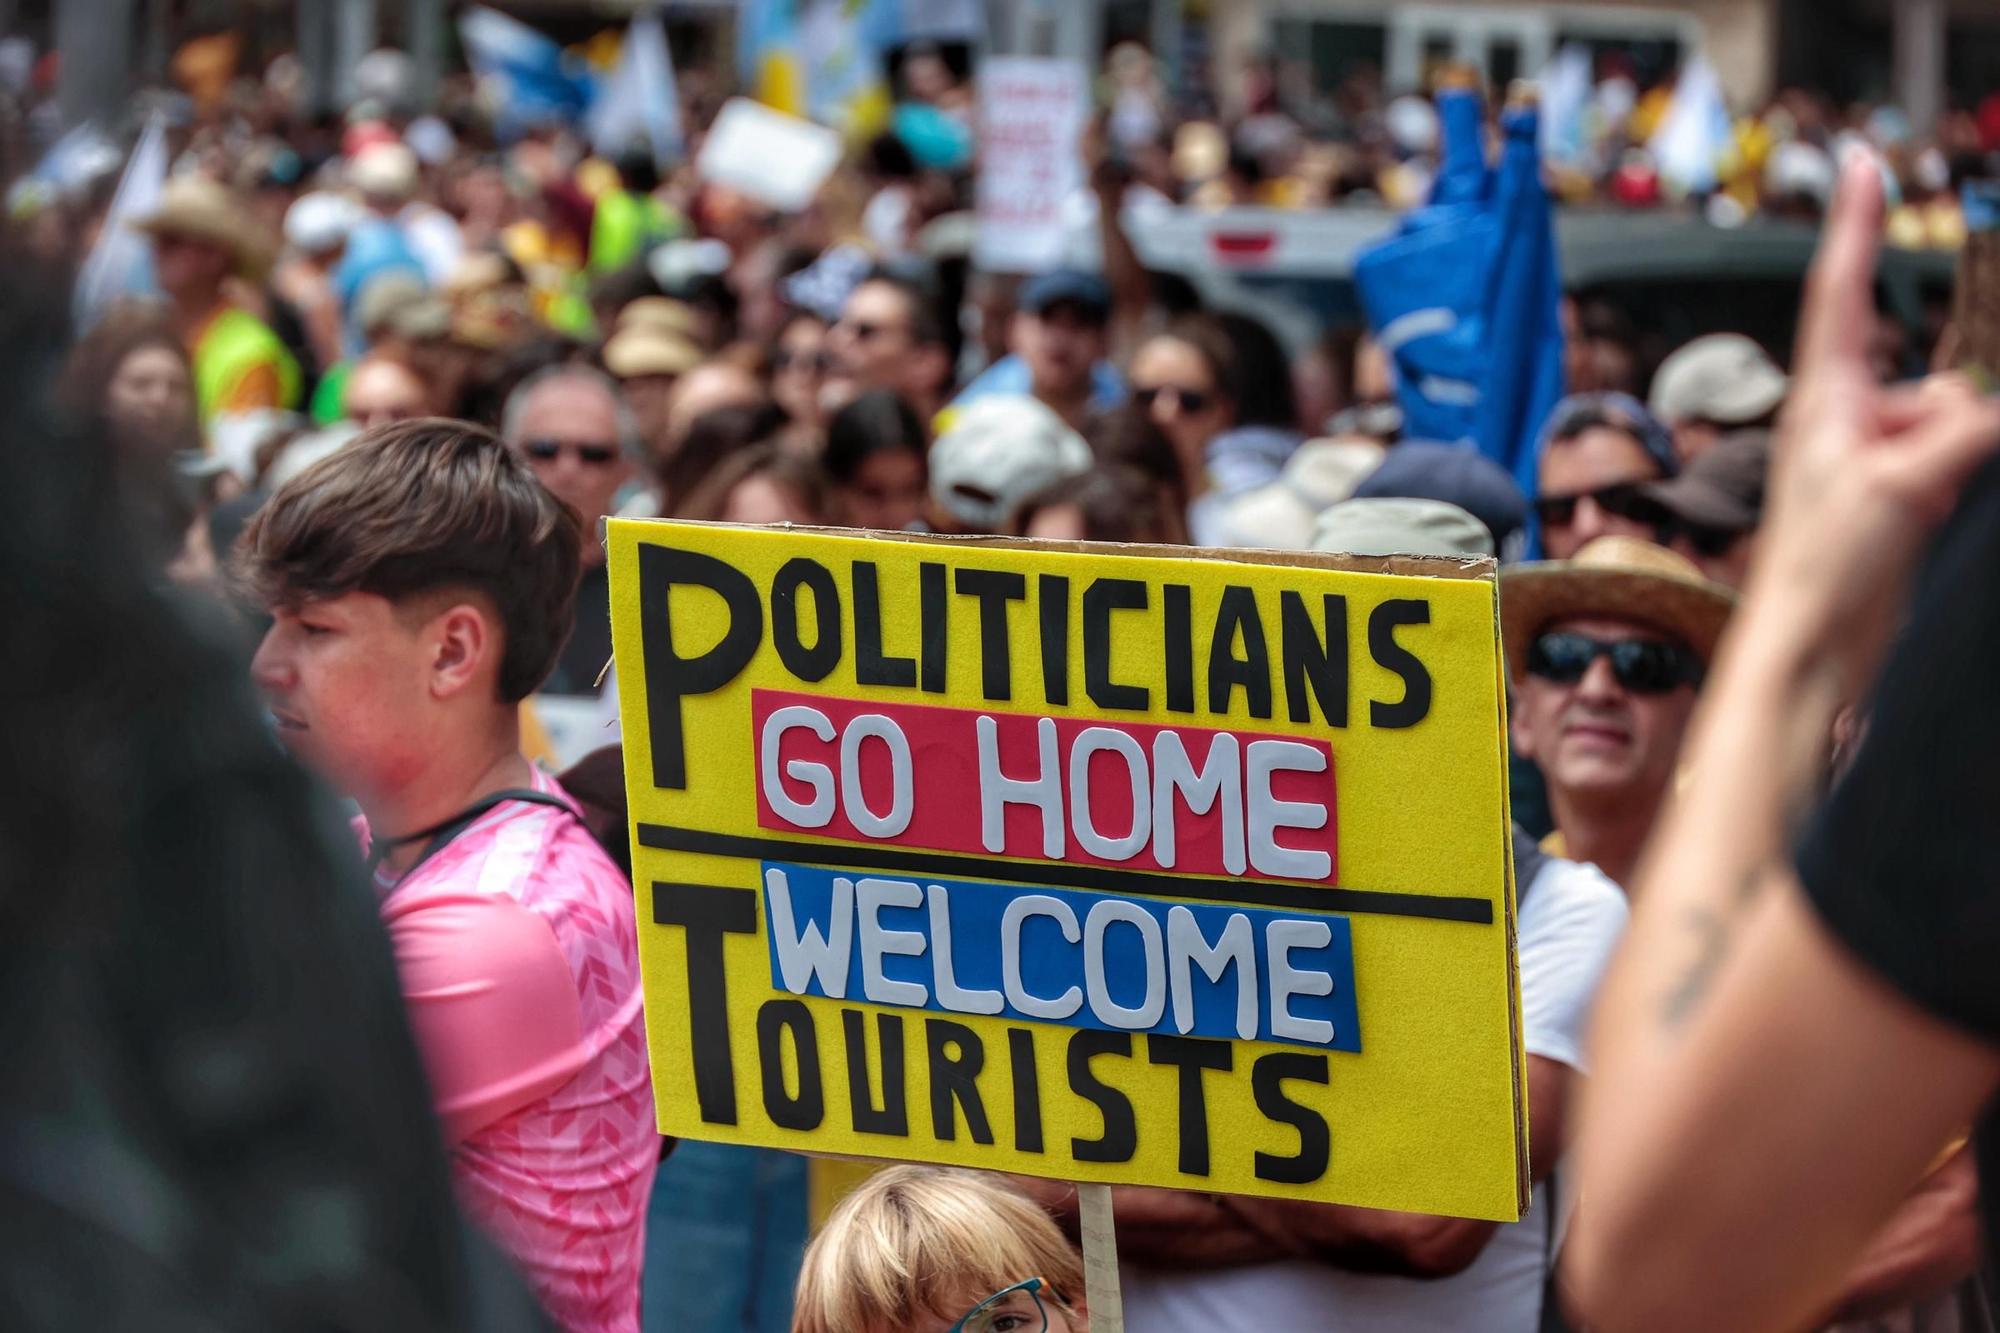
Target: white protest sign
[
  {"x": 774, "y": 158},
  {"x": 1031, "y": 118}
]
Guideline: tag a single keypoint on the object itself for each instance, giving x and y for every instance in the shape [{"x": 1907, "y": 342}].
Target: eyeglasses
[
  {"x": 1710, "y": 543},
  {"x": 1625, "y": 499},
  {"x": 1186, "y": 400},
  {"x": 1015, "y": 1309},
  {"x": 1642, "y": 666},
  {"x": 591, "y": 455},
  {"x": 817, "y": 362}
]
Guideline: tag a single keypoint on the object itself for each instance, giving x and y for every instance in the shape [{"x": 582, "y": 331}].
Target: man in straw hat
[
  {"x": 1607, "y": 651},
  {"x": 202, "y": 236}
]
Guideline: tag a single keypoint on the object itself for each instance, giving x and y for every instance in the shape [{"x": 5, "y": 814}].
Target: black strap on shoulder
[
  {"x": 1529, "y": 858},
  {"x": 442, "y": 832}
]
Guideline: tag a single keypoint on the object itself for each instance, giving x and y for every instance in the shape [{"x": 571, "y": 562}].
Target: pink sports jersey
[{"x": 520, "y": 970}]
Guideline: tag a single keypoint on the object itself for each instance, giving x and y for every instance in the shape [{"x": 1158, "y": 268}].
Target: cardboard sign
[
  {"x": 1031, "y": 117},
  {"x": 1112, "y": 864},
  {"x": 776, "y": 159}
]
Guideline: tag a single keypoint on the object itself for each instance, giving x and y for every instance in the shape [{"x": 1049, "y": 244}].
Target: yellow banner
[{"x": 1119, "y": 864}]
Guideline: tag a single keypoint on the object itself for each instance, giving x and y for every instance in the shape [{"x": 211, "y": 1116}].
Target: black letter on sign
[
  {"x": 671, "y": 677},
  {"x": 1053, "y": 611},
  {"x": 994, "y": 588},
  {"x": 1027, "y": 1090},
  {"x": 806, "y": 1110},
  {"x": 1393, "y": 656},
  {"x": 870, "y": 667},
  {"x": 935, "y": 618},
  {"x": 816, "y": 662},
  {"x": 894, "y": 1117},
  {"x": 708, "y": 914},
  {"x": 1120, "y": 1139},
  {"x": 1100, "y": 599},
  {"x": 952, "y": 1079},
  {"x": 1191, "y": 1056},
  {"x": 1252, "y": 670},
  {"x": 1267, "y": 1079},
  {"x": 1177, "y": 638},
  {"x": 1309, "y": 660}
]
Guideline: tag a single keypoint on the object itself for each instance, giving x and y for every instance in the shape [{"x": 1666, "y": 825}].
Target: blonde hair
[{"x": 913, "y": 1237}]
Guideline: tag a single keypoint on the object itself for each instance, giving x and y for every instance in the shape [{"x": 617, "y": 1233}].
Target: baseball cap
[
  {"x": 1723, "y": 488},
  {"x": 317, "y": 222},
  {"x": 384, "y": 171},
  {"x": 1455, "y": 474},
  {"x": 1401, "y": 527},
  {"x": 1000, "y": 450},
  {"x": 1070, "y": 286},
  {"x": 1721, "y": 377}
]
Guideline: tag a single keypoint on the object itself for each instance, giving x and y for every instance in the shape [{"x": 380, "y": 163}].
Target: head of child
[
  {"x": 420, "y": 584},
  {"x": 916, "y": 1249}
]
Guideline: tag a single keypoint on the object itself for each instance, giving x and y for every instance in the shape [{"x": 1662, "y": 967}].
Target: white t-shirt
[{"x": 1571, "y": 917}]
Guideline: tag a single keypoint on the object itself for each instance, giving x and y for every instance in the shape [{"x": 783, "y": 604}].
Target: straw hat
[
  {"x": 197, "y": 208},
  {"x": 647, "y": 349},
  {"x": 660, "y": 312},
  {"x": 1622, "y": 578}
]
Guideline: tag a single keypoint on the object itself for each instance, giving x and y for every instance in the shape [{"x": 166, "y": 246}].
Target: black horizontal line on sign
[{"x": 1060, "y": 875}]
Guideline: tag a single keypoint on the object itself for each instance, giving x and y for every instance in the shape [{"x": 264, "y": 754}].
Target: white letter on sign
[
  {"x": 1174, "y": 772},
  {"x": 873, "y": 895},
  {"x": 1186, "y": 944},
  {"x": 1089, "y": 742},
  {"x": 902, "y": 787},
  {"x": 803, "y": 956},
  {"x": 1154, "y": 1002},
  {"x": 819, "y": 777},
  {"x": 998, "y": 791},
  {"x": 1280, "y": 938},
  {"x": 1018, "y": 911},
  {"x": 1268, "y": 814}
]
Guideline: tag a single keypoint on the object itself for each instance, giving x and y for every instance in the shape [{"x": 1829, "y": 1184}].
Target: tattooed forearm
[{"x": 1713, "y": 927}]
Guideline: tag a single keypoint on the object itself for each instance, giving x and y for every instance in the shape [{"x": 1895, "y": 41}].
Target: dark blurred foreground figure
[
  {"x": 211, "y": 1115},
  {"x": 419, "y": 584},
  {"x": 1797, "y": 1033}
]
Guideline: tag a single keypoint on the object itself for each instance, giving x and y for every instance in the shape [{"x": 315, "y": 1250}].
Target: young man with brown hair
[{"x": 420, "y": 584}]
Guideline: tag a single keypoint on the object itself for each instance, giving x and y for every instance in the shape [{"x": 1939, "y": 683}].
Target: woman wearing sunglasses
[{"x": 922, "y": 1249}]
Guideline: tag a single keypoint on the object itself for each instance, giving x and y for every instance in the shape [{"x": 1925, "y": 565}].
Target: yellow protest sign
[{"x": 1099, "y": 863}]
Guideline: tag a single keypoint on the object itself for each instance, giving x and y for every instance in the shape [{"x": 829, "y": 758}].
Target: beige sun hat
[
  {"x": 646, "y": 349},
  {"x": 1622, "y": 578},
  {"x": 197, "y": 208},
  {"x": 660, "y": 312}
]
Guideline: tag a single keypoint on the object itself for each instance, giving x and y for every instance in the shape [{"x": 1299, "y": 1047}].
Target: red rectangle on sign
[{"x": 914, "y": 775}]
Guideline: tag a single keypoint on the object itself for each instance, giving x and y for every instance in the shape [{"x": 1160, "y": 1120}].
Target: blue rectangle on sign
[{"x": 1123, "y": 964}]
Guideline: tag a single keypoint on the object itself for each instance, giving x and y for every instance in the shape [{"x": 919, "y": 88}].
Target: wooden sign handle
[{"x": 1100, "y": 1259}]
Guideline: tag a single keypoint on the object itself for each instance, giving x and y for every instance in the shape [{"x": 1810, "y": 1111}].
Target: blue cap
[
  {"x": 1457, "y": 475},
  {"x": 1071, "y": 285}
]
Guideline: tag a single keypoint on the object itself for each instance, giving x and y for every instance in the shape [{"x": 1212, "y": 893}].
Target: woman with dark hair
[
  {"x": 877, "y": 459},
  {"x": 129, "y": 383},
  {"x": 712, "y": 439},
  {"x": 760, "y": 484},
  {"x": 1129, "y": 439},
  {"x": 129, "y": 380}
]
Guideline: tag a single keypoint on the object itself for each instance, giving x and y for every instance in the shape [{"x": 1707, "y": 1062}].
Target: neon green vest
[
  {"x": 236, "y": 343},
  {"x": 623, "y": 225}
]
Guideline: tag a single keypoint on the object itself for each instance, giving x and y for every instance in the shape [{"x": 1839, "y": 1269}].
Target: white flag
[
  {"x": 1565, "y": 93},
  {"x": 120, "y": 263},
  {"x": 1694, "y": 136},
  {"x": 640, "y": 99}
]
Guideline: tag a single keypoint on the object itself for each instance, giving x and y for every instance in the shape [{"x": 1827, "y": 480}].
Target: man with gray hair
[{"x": 572, "y": 426}]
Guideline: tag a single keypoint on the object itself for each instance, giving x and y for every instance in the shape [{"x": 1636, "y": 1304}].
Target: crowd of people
[{"x": 393, "y": 375}]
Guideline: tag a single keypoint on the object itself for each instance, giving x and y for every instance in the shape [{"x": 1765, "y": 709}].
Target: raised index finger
[{"x": 1839, "y": 305}]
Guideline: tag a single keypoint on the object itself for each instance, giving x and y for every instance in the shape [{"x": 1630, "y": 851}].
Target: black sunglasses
[
  {"x": 1643, "y": 666},
  {"x": 1710, "y": 543},
  {"x": 548, "y": 451},
  {"x": 1626, "y": 499},
  {"x": 1189, "y": 400}
]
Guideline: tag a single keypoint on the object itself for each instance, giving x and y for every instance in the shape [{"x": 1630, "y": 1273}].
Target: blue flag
[
  {"x": 538, "y": 82},
  {"x": 1464, "y": 295}
]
